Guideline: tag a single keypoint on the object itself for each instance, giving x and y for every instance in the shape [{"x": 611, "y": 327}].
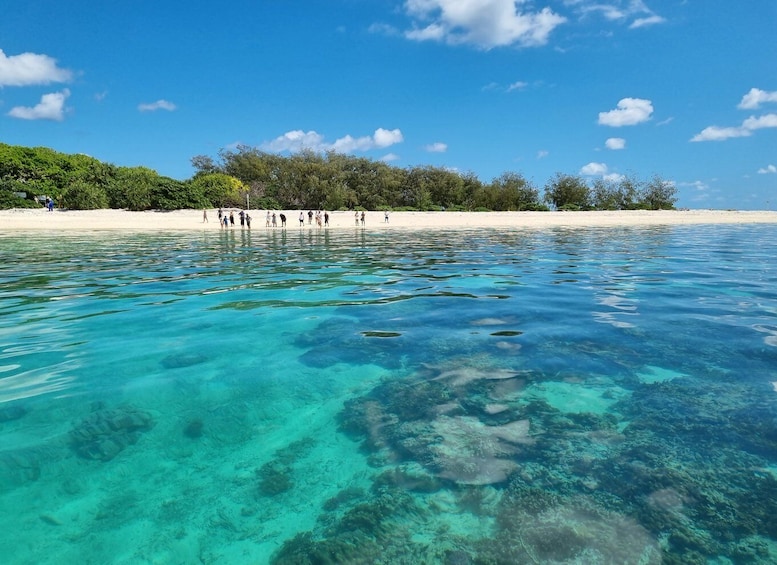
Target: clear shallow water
[{"x": 554, "y": 396}]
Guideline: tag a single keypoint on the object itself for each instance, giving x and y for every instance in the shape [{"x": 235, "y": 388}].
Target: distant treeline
[{"x": 305, "y": 180}]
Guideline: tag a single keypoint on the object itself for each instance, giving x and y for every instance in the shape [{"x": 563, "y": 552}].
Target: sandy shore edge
[{"x": 84, "y": 220}]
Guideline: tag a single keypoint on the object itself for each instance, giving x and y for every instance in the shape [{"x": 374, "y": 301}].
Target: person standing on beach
[
  {"x": 248, "y": 221},
  {"x": 232, "y": 218},
  {"x": 267, "y": 221},
  {"x": 326, "y": 219},
  {"x": 356, "y": 217},
  {"x": 283, "y": 220},
  {"x": 242, "y": 215},
  {"x": 221, "y": 215},
  {"x": 301, "y": 219},
  {"x": 310, "y": 217},
  {"x": 204, "y": 216},
  {"x": 274, "y": 223},
  {"x": 362, "y": 218},
  {"x": 385, "y": 217},
  {"x": 225, "y": 223}
]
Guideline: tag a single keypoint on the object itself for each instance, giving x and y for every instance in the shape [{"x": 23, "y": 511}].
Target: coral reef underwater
[{"x": 676, "y": 471}]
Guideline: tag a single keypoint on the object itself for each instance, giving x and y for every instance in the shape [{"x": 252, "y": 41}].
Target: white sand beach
[{"x": 69, "y": 220}]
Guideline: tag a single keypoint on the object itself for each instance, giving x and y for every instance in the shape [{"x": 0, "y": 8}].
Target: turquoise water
[{"x": 455, "y": 397}]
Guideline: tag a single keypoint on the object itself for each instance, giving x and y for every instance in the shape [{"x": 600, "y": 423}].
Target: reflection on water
[{"x": 307, "y": 396}]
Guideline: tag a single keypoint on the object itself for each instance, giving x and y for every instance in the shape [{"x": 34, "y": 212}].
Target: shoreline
[{"x": 192, "y": 220}]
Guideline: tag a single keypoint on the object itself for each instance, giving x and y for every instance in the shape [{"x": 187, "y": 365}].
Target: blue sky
[{"x": 686, "y": 89}]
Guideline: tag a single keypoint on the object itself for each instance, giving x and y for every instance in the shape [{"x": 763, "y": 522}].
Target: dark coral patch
[{"x": 381, "y": 334}]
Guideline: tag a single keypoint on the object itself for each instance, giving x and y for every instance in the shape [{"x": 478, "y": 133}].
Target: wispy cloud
[
  {"x": 518, "y": 85},
  {"x": 437, "y": 147},
  {"x": 634, "y": 11},
  {"x": 483, "y": 23},
  {"x": 701, "y": 190},
  {"x": 629, "y": 112},
  {"x": 768, "y": 169},
  {"x": 298, "y": 140},
  {"x": 29, "y": 69},
  {"x": 648, "y": 21},
  {"x": 50, "y": 107},
  {"x": 158, "y": 105}
]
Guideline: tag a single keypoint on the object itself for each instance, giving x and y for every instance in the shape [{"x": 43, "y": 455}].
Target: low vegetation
[{"x": 305, "y": 180}]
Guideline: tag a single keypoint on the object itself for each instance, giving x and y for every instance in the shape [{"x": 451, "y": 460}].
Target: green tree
[
  {"x": 416, "y": 189},
  {"x": 82, "y": 195},
  {"x": 204, "y": 164},
  {"x": 9, "y": 195},
  {"x": 219, "y": 189},
  {"x": 471, "y": 187},
  {"x": 604, "y": 195},
  {"x": 131, "y": 187},
  {"x": 171, "y": 194},
  {"x": 658, "y": 194},
  {"x": 511, "y": 191},
  {"x": 627, "y": 193},
  {"x": 568, "y": 192}
]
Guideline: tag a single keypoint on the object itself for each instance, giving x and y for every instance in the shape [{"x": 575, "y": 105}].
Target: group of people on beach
[
  {"x": 321, "y": 217},
  {"x": 228, "y": 220},
  {"x": 318, "y": 214}
]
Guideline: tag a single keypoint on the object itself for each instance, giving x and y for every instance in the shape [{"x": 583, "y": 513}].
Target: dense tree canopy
[{"x": 304, "y": 180}]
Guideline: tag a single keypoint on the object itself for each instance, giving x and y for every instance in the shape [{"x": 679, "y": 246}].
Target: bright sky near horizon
[{"x": 686, "y": 89}]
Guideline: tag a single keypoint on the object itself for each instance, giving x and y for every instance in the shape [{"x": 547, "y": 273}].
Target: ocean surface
[{"x": 455, "y": 397}]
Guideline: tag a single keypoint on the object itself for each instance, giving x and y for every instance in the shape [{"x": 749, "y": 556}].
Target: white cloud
[
  {"x": 765, "y": 121},
  {"x": 30, "y": 68},
  {"x": 50, "y": 107},
  {"x": 755, "y": 98},
  {"x": 158, "y": 105},
  {"x": 385, "y": 137},
  {"x": 615, "y": 143},
  {"x": 518, "y": 85},
  {"x": 298, "y": 140},
  {"x": 630, "y": 111},
  {"x": 648, "y": 21},
  {"x": 613, "y": 177},
  {"x": 618, "y": 11},
  {"x": 715, "y": 133},
  {"x": 389, "y": 157},
  {"x": 594, "y": 169},
  {"x": 769, "y": 169},
  {"x": 484, "y": 23},
  {"x": 437, "y": 147},
  {"x": 542, "y": 153}
]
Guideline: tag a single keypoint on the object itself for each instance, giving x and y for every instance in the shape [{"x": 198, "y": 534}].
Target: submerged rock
[
  {"x": 13, "y": 412},
  {"x": 107, "y": 432}
]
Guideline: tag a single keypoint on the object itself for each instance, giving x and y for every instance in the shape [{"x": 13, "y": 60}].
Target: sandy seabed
[{"x": 67, "y": 220}]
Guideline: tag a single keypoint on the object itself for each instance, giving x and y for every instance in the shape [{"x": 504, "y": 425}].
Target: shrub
[{"x": 81, "y": 195}]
